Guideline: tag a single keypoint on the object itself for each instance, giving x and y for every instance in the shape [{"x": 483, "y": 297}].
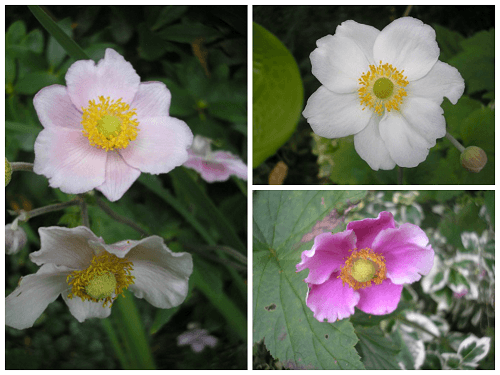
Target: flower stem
[
  {"x": 454, "y": 142},
  {"x": 113, "y": 338},
  {"x": 21, "y": 166},
  {"x": 85, "y": 213},
  {"x": 400, "y": 175},
  {"x": 407, "y": 10},
  {"x": 119, "y": 218},
  {"x": 25, "y": 215}
]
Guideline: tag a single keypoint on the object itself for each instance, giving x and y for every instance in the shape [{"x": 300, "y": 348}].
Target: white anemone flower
[
  {"x": 90, "y": 275},
  {"x": 385, "y": 87}
]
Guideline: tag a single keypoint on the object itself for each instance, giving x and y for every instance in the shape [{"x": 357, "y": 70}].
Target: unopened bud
[
  {"x": 15, "y": 238},
  {"x": 473, "y": 159},
  {"x": 8, "y": 172}
]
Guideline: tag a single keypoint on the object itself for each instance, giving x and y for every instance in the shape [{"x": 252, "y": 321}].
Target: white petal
[
  {"x": 65, "y": 247},
  {"x": 152, "y": 100},
  {"x": 334, "y": 115},
  {"x": 82, "y": 310},
  {"x": 443, "y": 80},
  {"x": 406, "y": 147},
  {"x": 426, "y": 117},
  {"x": 55, "y": 108},
  {"x": 408, "y": 44},
  {"x": 30, "y": 299},
  {"x": 371, "y": 147},
  {"x": 363, "y": 36},
  {"x": 119, "y": 177},
  {"x": 161, "y": 276},
  {"x": 338, "y": 63}
]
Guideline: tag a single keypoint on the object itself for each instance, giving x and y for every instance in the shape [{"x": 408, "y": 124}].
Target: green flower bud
[
  {"x": 8, "y": 172},
  {"x": 473, "y": 159}
]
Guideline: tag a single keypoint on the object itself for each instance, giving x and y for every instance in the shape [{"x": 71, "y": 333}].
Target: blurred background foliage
[
  {"x": 200, "y": 54},
  {"x": 465, "y": 35}
]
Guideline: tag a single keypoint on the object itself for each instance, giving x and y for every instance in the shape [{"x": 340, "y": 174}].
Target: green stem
[
  {"x": 407, "y": 10},
  {"x": 110, "y": 331},
  {"x": 400, "y": 175},
  {"x": 121, "y": 219},
  {"x": 85, "y": 213},
  {"x": 454, "y": 142},
  {"x": 242, "y": 185},
  {"x": 25, "y": 215},
  {"x": 20, "y": 166}
]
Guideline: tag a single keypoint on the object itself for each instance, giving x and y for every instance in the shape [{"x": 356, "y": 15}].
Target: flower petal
[
  {"x": 219, "y": 167},
  {"x": 371, "y": 147},
  {"x": 334, "y": 115},
  {"x": 113, "y": 76},
  {"x": 406, "y": 146},
  {"x": 161, "y": 276},
  {"x": 443, "y": 80},
  {"x": 119, "y": 177},
  {"x": 327, "y": 255},
  {"x": 363, "y": 36},
  {"x": 338, "y": 63},
  {"x": 233, "y": 163},
  {"x": 408, "y": 44},
  {"x": 367, "y": 229},
  {"x": 380, "y": 299},
  {"x": 83, "y": 310},
  {"x": 65, "y": 247},
  {"x": 160, "y": 146},
  {"x": 152, "y": 100},
  {"x": 425, "y": 117},
  {"x": 67, "y": 159},
  {"x": 331, "y": 300},
  {"x": 407, "y": 253},
  {"x": 34, "y": 293},
  {"x": 55, "y": 108}
]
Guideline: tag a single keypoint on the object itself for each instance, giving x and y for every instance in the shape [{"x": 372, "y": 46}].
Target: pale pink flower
[
  {"x": 90, "y": 275},
  {"x": 106, "y": 127},
  {"x": 364, "y": 266},
  {"x": 214, "y": 166},
  {"x": 198, "y": 339}
]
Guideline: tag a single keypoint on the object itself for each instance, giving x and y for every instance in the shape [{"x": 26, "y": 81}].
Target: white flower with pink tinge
[
  {"x": 106, "y": 127},
  {"x": 197, "y": 339},
  {"x": 214, "y": 166}
]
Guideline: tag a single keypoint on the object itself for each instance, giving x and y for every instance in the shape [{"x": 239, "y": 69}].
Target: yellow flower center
[
  {"x": 108, "y": 124},
  {"x": 106, "y": 278},
  {"x": 382, "y": 87},
  {"x": 362, "y": 268}
]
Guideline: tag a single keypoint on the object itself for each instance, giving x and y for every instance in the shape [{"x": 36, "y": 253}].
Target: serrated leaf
[{"x": 377, "y": 352}]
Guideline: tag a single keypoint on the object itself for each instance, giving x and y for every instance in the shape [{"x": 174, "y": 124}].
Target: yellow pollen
[
  {"x": 106, "y": 278},
  {"x": 382, "y": 88},
  {"x": 362, "y": 268},
  {"x": 108, "y": 124}
]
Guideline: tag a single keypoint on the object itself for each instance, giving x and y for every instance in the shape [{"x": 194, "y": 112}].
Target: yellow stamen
[
  {"x": 382, "y": 87},
  {"x": 362, "y": 268},
  {"x": 106, "y": 278},
  {"x": 108, "y": 124}
]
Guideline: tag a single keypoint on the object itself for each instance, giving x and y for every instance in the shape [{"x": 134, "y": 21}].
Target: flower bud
[
  {"x": 473, "y": 159},
  {"x": 8, "y": 172},
  {"x": 15, "y": 238}
]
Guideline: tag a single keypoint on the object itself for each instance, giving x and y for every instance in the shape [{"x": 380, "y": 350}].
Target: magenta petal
[
  {"x": 55, "y": 108},
  {"x": 113, "y": 76},
  {"x": 366, "y": 230},
  {"x": 67, "y": 159},
  {"x": 407, "y": 253},
  {"x": 119, "y": 177},
  {"x": 152, "y": 100},
  {"x": 327, "y": 255},
  {"x": 380, "y": 299},
  {"x": 331, "y": 300},
  {"x": 160, "y": 146}
]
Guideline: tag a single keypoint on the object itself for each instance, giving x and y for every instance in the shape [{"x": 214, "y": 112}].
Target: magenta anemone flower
[
  {"x": 214, "y": 166},
  {"x": 106, "y": 127},
  {"x": 364, "y": 266}
]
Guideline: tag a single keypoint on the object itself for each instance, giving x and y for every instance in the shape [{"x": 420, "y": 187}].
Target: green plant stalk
[
  {"x": 131, "y": 323},
  {"x": 242, "y": 185},
  {"x": 69, "y": 45},
  {"x": 110, "y": 331}
]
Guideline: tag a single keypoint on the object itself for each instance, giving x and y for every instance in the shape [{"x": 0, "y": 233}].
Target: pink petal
[
  {"x": 55, "y": 108},
  {"x": 152, "y": 100},
  {"x": 366, "y": 230},
  {"x": 113, "y": 76},
  {"x": 83, "y": 310},
  {"x": 66, "y": 158},
  {"x": 160, "y": 146},
  {"x": 331, "y": 300},
  {"x": 233, "y": 163},
  {"x": 380, "y": 299},
  {"x": 119, "y": 177},
  {"x": 65, "y": 247},
  {"x": 327, "y": 255},
  {"x": 30, "y": 299},
  {"x": 407, "y": 253}
]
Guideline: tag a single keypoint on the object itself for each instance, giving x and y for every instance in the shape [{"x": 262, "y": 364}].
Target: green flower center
[
  {"x": 363, "y": 270},
  {"x": 101, "y": 286},
  {"x": 383, "y": 88},
  {"x": 109, "y": 126}
]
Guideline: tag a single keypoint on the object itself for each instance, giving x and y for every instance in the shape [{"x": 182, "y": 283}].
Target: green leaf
[
  {"x": 151, "y": 46},
  {"x": 10, "y": 71},
  {"x": 189, "y": 32},
  {"x": 278, "y": 94},
  {"x": 489, "y": 201},
  {"x": 281, "y": 317},
  {"x": 55, "y": 52},
  {"x": 377, "y": 352},
  {"x": 15, "y": 33},
  {"x": 168, "y": 15},
  {"x": 31, "y": 83},
  {"x": 448, "y": 41}
]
